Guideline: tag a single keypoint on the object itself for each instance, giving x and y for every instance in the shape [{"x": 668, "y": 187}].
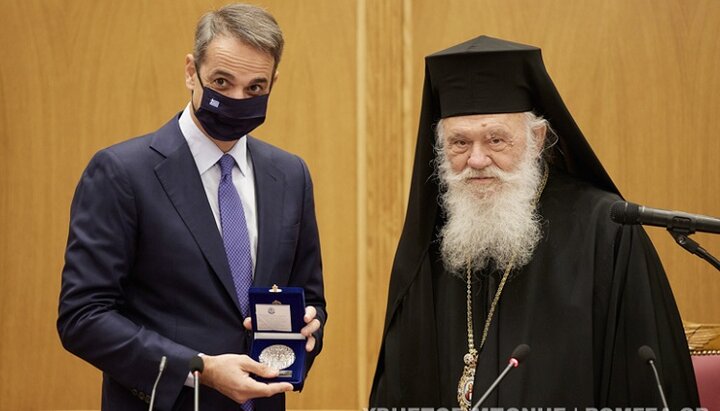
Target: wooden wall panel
[
  {"x": 381, "y": 193},
  {"x": 639, "y": 76}
]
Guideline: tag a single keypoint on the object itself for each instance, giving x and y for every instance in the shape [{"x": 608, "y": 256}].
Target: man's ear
[
  {"x": 275, "y": 78},
  {"x": 190, "y": 72}
]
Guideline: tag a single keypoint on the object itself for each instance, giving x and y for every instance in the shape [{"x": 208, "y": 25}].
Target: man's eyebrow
[
  {"x": 222, "y": 73},
  {"x": 259, "y": 80}
]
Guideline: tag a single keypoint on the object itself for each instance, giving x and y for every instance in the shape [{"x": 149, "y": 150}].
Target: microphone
[
  {"x": 518, "y": 355},
  {"x": 628, "y": 213},
  {"x": 196, "y": 368},
  {"x": 648, "y": 355},
  {"x": 161, "y": 368}
]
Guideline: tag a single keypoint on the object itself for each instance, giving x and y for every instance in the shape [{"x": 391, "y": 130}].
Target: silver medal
[{"x": 277, "y": 356}]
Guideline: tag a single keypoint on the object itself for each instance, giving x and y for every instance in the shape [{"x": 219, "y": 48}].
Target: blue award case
[{"x": 277, "y": 316}]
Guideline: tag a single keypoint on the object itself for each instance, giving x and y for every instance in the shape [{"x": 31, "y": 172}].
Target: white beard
[{"x": 489, "y": 226}]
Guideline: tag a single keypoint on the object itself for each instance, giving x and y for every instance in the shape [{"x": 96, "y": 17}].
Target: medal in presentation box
[{"x": 277, "y": 316}]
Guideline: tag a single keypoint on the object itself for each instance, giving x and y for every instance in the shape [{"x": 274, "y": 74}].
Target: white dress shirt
[{"x": 207, "y": 155}]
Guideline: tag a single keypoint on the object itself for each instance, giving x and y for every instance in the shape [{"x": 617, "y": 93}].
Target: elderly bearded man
[{"x": 520, "y": 250}]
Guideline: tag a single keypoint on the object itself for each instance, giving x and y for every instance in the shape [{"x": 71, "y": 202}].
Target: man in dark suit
[{"x": 169, "y": 230}]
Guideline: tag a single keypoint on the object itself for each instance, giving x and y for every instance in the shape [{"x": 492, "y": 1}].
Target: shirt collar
[{"x": 204, "y": 151}]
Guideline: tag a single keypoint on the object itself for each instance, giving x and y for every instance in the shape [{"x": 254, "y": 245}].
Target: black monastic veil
[{"x": 593, "y": 293}]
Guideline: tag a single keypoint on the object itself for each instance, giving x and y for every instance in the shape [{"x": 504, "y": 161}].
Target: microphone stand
[
  {"x": 196, "y": 390},
  {"x": 161, "y": 368},
  {"x": 681, "y": 236},
  {"x": 659, "y": 386},
  {"x": 482, "y": 399}
]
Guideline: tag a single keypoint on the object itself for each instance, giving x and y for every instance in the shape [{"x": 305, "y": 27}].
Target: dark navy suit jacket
[{"x": 146, "y": 273}]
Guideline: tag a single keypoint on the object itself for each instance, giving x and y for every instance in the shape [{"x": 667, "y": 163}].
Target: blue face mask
[{"x": 228, "y": 119}]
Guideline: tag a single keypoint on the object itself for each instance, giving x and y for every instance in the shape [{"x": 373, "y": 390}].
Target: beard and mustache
[{"x": 492, "y": 225}]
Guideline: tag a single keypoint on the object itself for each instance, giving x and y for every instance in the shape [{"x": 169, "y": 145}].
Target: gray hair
[{"x": 250, "y": 24}]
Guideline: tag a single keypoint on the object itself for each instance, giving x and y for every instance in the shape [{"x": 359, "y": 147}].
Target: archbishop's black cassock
[{"x": 593, "y": 293}]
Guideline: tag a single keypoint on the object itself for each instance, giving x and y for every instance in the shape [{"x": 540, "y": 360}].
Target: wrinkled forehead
[{"x": 512, "y": 123}]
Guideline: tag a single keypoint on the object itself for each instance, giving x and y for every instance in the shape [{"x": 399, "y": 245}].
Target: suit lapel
[
  {"x": 181, "y": 181},
  {"x": 269, "y": 183}
]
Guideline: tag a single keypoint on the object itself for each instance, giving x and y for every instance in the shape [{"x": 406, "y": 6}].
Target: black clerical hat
[
  {"x": 486, "y": 75},
  {"x": 483, "y": 76}
]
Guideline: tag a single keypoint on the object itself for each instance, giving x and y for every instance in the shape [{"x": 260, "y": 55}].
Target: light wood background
[{"x": 640, "y": 77}]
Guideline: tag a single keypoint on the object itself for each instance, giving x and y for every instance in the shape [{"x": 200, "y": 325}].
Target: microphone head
[
  {"x": 520, "y": 352},
  {"x": 623, "y": 212},
  {"x": 196, "y": 364},
  {"x": 646, "y": 353},
  {"x": 163, "y": 361}
]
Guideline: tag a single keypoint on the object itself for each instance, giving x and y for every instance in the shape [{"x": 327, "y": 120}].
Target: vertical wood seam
[
  {"x": 361, "y": 198},
  {"x": 407, "y": 99}
]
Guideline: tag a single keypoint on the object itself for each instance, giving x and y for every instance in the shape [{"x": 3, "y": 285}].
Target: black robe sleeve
[{"x": 641, "y": 311}]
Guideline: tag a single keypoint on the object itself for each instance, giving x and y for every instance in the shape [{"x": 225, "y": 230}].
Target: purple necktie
[
  {"x": 235, "y": 233},
  {"x": 236, "y": 239}
]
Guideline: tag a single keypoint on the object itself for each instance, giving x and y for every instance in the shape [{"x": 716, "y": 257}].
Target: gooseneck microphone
[
  {"x": 680, "y": 225},
  {"x": 623, "y": 212},
  {"x": 518, "y": 355},
  {"x": 161, "y": 368},
  {"x": 196, "y": 368},
  {"x": 648, "y": 355}
]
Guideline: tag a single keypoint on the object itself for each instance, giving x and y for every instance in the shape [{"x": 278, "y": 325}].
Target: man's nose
[{"x": 478, "y": 159}]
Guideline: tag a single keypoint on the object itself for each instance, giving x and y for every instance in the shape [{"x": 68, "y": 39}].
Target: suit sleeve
[
  {"x": 98, "y": 262},
  {"x": 307, "y": 270}
]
